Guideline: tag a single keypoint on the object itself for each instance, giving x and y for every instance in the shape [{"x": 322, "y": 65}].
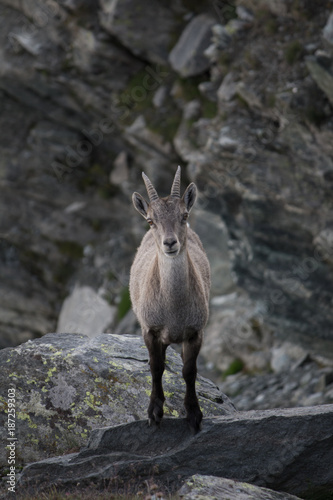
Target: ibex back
[{"x": 169, "y": 287}]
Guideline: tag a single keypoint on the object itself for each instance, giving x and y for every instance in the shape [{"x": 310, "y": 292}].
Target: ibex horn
[
  {"x": 175, "y": 190},
  {"x": 152, "y": 193}
]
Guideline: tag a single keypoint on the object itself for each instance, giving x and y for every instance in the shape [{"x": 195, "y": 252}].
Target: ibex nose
[{"x": 169, "y": 242}]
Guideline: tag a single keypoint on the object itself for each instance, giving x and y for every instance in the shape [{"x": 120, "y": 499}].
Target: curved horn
[
  {"x": 175, "y": 190},
  {"x": 152, "y": 193}
]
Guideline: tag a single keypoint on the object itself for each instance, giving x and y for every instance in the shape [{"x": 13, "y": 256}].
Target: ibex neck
[{"x": 174, "y": 274}]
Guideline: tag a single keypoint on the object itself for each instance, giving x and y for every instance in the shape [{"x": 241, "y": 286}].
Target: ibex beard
[{"x": 169, "y": 288}]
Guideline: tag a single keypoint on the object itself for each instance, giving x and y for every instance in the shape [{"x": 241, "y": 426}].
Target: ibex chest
[{"x": 177, "y": 309}]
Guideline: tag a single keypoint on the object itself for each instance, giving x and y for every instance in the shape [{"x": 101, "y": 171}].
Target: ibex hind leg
[
  {"x": 190, "y": 353},
  {"x": 157, "y": 363}
]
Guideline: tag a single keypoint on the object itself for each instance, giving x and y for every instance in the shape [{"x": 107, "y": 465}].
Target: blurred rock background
[{"x": 240, "y": 94}]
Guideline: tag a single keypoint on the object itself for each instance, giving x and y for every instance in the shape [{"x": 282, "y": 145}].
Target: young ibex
[{"x": 169, "y": 287}]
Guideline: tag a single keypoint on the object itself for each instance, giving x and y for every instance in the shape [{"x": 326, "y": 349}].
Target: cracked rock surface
[
  {"x": 285, "y": 450},
  {"x": 67, "y": 384}
]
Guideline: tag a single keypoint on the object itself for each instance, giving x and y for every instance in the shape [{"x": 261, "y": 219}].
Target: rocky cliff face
[{"x": 238, "y": 92}]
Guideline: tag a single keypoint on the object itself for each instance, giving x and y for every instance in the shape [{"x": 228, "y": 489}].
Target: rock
[
  {"x": 251, "y": 98},
  {"x": 187, "y": 57},
  {"x": 221, "y": 36},
  {"x": 65, "y": 144},
  {"x": 227, "y": 89},
  {"x": 227, "y": 143},
  {"x": 86, "y": 312},
  {"x": 120, "y": 172},
  {"x": 146, "y": 32},
  {"x": 294, "y": 387},
  {"x": 68, "y": 384},
  {"x": 200, "y": 487},
  {"x": 285, "y": 356},
  {"x": 236, "y": 331},
  {"x": 160, "y": 96},
  {"x": 285, "y": 450},
  {"x": 328, "y": 31},
  {"x": 140, "y": 136},
  {"x": 322, "y": 75},
  {"x": 244, "y": 14},
  {"x": 213, "y": 234},
  {"x": 276, "y": 7},
  {"x": 69, "y": 91}
]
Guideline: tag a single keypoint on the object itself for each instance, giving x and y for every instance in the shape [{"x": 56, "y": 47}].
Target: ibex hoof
[
  {"x": 194, "y": 419},
  {"x": 155, "y": 412}
]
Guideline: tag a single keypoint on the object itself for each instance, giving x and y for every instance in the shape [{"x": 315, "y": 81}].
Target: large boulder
[
  {"x": 68, "y": 384},
  {"x": 285, "y": 450}
]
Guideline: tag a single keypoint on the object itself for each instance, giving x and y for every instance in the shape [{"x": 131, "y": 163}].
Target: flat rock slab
[
  {"x": 187, "y": 57},
  {"x": 285, "y": 450},
  {"x": 200, "y": 487},
  {"x": 68, "y": 384}
]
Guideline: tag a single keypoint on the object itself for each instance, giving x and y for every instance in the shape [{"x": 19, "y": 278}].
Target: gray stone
[
  {"x": 213, "y": 234},
  {"x": 84, "y": 311},
  {"x": 285, "y": 450},
  {"x": 236, "y": 331},
  {"x": 187, "y": 57},
  {"x": 120, "y": 171},
  {"x": 328, "y": 31},
  {"x": 306, "y": 381},
  {"x": 322, "y": 76},
  {"x": 146, "y": 32},
  {"x": 200, "y": 487},
  {"x": 68, "y": 384},
  {"x": 227, "y": 89}
]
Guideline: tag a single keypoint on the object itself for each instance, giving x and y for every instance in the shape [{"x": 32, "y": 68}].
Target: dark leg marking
[
  {"x": 157, "y": 364},
  {"x": 190, "y": 353}
]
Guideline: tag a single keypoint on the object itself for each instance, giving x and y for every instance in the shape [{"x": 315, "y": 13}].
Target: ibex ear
[
  {"x": 140, "y": 204},
  {"x": 190, "y": 196}
]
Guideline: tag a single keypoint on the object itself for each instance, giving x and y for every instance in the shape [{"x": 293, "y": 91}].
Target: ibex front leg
[
  {"x": 190, "y": 353},
  {"x": 157, "y": 363}
]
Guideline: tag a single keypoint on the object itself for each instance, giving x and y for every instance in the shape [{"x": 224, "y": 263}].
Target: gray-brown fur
[{"x": 169, "y": 287}]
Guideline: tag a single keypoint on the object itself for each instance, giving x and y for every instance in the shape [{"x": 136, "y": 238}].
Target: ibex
[{"x": 169, "y": 288}]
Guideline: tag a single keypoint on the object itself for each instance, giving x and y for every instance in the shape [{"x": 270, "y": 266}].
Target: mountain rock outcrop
[
  {"x": 285, "y": 450},
  {"x": 68, "y": 384}
]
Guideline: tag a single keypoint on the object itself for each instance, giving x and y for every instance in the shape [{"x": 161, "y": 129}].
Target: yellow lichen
[{"x": 50, "y": 373}]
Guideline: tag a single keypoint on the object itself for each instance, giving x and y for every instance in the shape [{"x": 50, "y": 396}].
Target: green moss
[
  {"x": 293, "y": 52},
  {"x": 124, "y": 304},
  {"x": 168, "y": 126},
  {"x": 235, "y": 366},
  {"x": 32, "y": 261},
  {"x": 96, "y": 224},
  {"x": 188, "y": 88},
  {"x": 252, "y": 60},
  {"x": 209, "y": 109},
  {"x": 271, "y": 26},
  {"x": 70, "y": 249},
  {"x": 315, "y": 114},
  {"x": 270, "y": 100},
  {"x": 63, "y": 272}
]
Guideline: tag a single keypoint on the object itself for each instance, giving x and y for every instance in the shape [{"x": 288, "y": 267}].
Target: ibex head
[{"x": 167, "y": 217}]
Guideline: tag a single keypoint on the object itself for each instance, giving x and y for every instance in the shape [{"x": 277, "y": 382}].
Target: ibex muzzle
[{"x": 169, "y": 286}]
